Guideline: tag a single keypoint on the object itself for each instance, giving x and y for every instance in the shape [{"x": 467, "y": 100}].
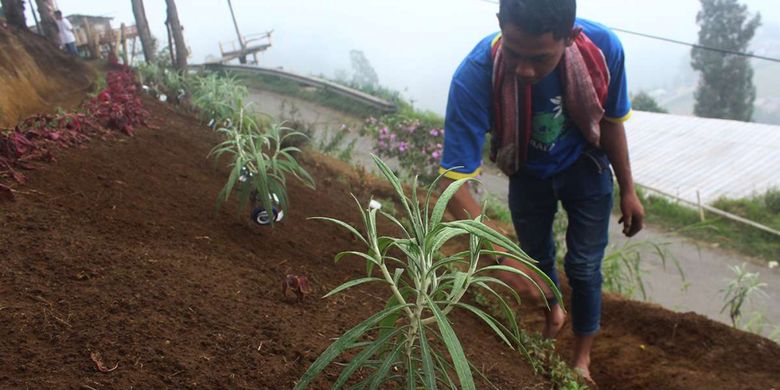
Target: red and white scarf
[{"x": 585, "y": 79}]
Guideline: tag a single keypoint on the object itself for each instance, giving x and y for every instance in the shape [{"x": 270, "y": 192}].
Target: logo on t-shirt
[{"x": 549, "y": 127}]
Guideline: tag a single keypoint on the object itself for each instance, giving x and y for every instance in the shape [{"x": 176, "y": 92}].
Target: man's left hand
[{"x": 633, "y": 213}]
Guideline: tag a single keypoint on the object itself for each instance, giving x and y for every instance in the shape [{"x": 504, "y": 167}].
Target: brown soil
[
  {"x": 37, "y": 77},
  {"x": 117, "y": 250}
]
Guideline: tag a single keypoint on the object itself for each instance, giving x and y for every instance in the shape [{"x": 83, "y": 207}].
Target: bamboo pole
[
  {"x": 123, "y": 38},
  {"x": 719, "y": 212},
  {"x": 242, "y": 58},
  {"x": 35, "y": 15}
]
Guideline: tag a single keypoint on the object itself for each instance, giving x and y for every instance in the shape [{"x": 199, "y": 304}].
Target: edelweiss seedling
[
  {"x": 424, "y": 287},
  {"x": 260, "y": 167}
]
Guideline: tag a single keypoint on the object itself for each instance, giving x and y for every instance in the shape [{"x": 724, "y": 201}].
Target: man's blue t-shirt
[{"x": 555, "y": 143}]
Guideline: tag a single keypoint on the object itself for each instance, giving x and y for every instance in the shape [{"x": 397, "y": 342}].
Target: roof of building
[
  {"x": 683, "y": 155},
  {"x": 89, "y": 17}
]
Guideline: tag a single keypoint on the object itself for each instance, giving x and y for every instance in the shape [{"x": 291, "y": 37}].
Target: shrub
[
  {"x": 772, "y": 200},
  {"x": 416, "y": 140}
]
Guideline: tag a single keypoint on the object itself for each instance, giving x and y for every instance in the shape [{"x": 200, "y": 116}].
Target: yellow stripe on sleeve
[
  {"x": 495, "y": 40},
  {"x": 457, "y": 175},
  {"x": 620, "y": 120}
]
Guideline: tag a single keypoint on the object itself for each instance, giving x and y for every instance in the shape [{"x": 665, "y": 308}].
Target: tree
[
  {"x": 180, "y": 62},
  {"x": 365, "y": 75},
  {"x": 644, "y": 102},
  {"x": 725, "y": 87},
  {"x": 48, "y": 23},
  {"x": 14, "y": 12},
  {"x": 142, "y": 24}
]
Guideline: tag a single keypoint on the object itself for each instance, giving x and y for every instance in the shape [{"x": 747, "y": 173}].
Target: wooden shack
[{"x": 95, "y": 37}]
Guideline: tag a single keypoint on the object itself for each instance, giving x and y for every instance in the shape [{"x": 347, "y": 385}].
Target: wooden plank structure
[
  {"x": 96, "y": 37},
  {"x": 249, "y": 45},
  {"x": 246, "y": 44}
]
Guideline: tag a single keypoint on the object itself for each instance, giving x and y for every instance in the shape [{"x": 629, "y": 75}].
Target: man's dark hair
[
  {"x": 537, "y": 17},
  {"x": 58, "y": 13}
]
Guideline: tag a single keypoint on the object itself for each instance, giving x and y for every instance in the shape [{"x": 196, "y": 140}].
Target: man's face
[
  {"x": 58, "y": 16},
  {"x": 533, "y": 57}
]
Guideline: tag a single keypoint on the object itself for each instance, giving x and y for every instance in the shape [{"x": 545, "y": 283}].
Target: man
[
  {"x": 552, "y": 90},
  {"x": 67, "y": 38}
]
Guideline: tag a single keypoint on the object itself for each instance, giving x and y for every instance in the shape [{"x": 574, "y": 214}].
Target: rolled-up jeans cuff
[{"x": 587, "y": 333}]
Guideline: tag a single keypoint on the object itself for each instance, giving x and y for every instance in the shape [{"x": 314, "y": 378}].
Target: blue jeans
[
  {"x": 585, "y": 191},
  {"x": 71, "y": 48}
]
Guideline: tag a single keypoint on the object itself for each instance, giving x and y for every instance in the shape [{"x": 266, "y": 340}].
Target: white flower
[
  {"x": 773, "y": 264},
  {"x": 374, "y": 205}
]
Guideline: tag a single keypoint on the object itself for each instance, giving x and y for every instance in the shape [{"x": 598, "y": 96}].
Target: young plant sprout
[
  {"x": 739, "y": 290},
  {"x": 411, "y": 341},
  {"x": 217, "y": 97},
  {"x": 259, "y": 168}
]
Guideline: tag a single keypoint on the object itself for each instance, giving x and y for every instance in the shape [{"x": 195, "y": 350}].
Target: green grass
[
  {"x": 764, "y": 209},
  {"x": 539, "y": 352},
  {"x": 497, "y": 210}
]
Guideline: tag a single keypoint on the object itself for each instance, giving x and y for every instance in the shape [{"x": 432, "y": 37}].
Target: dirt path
[{"x": 706, "y": 268}]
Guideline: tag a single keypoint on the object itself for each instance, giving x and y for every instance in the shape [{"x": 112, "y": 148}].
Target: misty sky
[{"x": 414, "y": 46}]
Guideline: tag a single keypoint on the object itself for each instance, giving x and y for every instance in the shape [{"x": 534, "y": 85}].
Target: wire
[
  {"x": 693, "y": 45},
  {"x": 696, "y": 46}
]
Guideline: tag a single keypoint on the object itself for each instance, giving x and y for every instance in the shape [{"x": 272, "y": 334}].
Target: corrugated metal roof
[{"x": 681, "y": 155}]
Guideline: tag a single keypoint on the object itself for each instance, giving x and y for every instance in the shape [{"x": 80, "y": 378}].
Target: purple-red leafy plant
[{"x": 118, "y": 107}]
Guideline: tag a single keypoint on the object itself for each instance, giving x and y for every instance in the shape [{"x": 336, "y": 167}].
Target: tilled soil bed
[{"x": 117, "y": 249}]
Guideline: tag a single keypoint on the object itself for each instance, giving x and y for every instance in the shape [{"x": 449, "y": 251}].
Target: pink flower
[
  {"x": 436, "y": 154},
  {"x": 383, "y": 131},
  {"x": 402, "y": 146},
  {"x": 434, "y": 133}
]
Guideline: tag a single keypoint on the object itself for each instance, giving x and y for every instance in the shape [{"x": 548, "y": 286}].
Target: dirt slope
[
  {"x": 116, "y": 249},
  {"x": 36, "y": 77}
]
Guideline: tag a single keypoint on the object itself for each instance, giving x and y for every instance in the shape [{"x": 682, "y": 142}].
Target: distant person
[
  {"x": 551, "y": 88},
  {"x": 67, "y": 37}
]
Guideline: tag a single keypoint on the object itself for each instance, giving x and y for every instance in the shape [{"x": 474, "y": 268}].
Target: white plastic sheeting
[{"x": 681, "y": 155}]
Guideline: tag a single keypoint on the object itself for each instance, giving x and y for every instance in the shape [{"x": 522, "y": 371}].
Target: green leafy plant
[
  {"x": 622, "y": 270},
  {"x": 260, "y": 158},
  {"x": 149, "y": 73},
  {"x": 335, "y": 143},
  {"x": 218, "y": 97},
  {"x": 173, "y": 81},
  {"x": 411, "y": 341},
  {"x": 739, "y": 290}
]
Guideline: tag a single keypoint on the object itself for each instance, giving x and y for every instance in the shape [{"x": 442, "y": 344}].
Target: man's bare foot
[
  {"x": 581, "y": 359},
  {"x": 553, "y": 321},
  {"x": 584, "y": 372}
]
